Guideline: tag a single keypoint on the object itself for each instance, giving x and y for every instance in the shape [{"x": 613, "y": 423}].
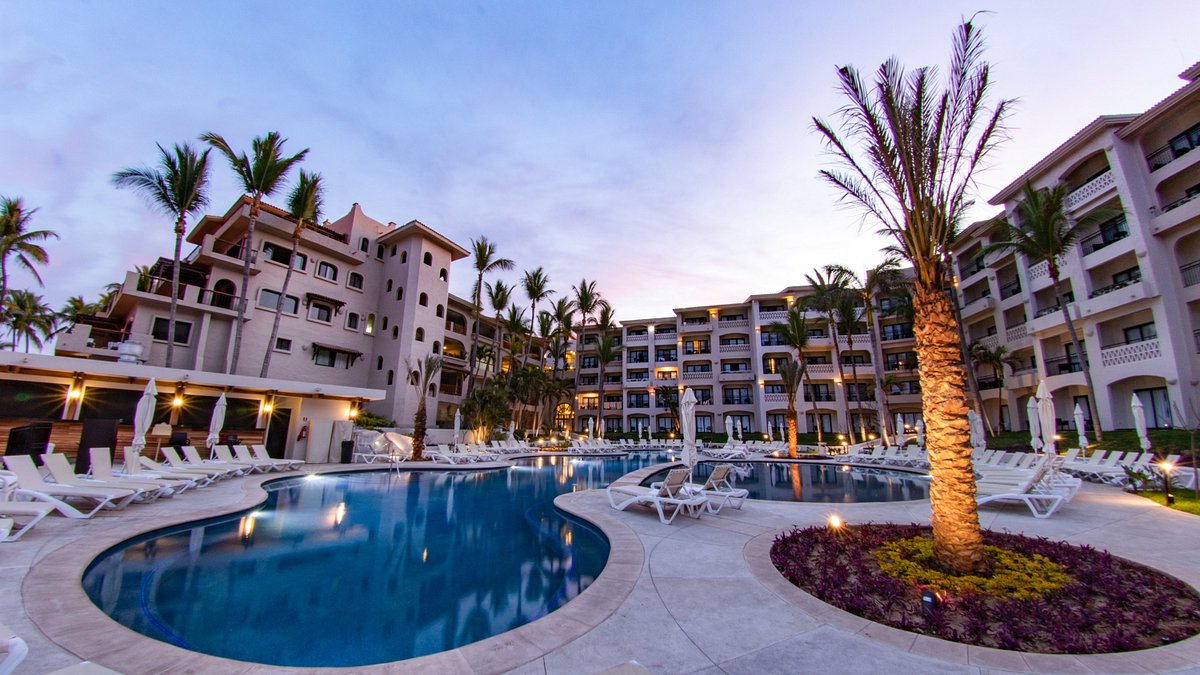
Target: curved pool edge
[{"x": 53, "y": 597}]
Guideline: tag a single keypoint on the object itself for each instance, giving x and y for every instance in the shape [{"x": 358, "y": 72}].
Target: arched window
[
  {"x": 429, "y": 259},
  {"x": 437, "y": 347},
  {"x": 423, "y": 300},
  {"x": 433, "y": 390},
  {"x": 379, "y": 363},
  {"x": 393, "y": 250},
  {"x": 395, "y": 332},
  {"x": 443, "y": 275},
  {"x": 327, "y": 271},
  {"x": 391, "y": 377},
  {"x": 403, "y": 257},
  {"x": 399, "y": 293},
  {"x": 223, "y": 294},
  {"x": 420, "y": 335},
  {"x": 355, "y": 280},
  {"x": 379, "y": 251},
  {"x": 369, "y": 327},
  {"x": 441, "y": 311},
  {"x": 363, "y": 244},
  {"x": 385, "y": 323},
  {"x": 389, "y": 286}
]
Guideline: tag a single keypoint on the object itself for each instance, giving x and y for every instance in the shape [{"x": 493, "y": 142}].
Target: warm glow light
[
  {"x": 339, "y": 514},
  {"x": 845, "y": 468},
  {"x": 311, "y": 476},
  {"x": 870, "y": 437},
  {"x": 1167, "y": 467},
  {"x": 353, "y": 413},
  {"x": 177, "y": 401},
  {"x": 72, "y": 394},
  {"x": 835, "y": 522},
  {"x": 266, "y": 407},
  {"x": 1058, "y": 437},
  {"x": 424, "y": 555},
  {"x": 567, "y": 539},
  {"x": 246, "y": 527}
]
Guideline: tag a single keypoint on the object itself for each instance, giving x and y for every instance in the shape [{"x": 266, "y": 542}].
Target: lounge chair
[
  {"x": 670, "y": 496},
  {"x": 11, "y": 509},
  {"x": 720, "y": 491},
  {"x": 12, "y": 650},
  {"x": 193, "y": 456},
  {"x": 220, "y": 470},
  {"x": 727, "y": 452},
  {"x": 31, "y": 484},
  {"x": 224, "y": 456},
  {"x": 102, "y": 470},
  {"x": 1041, "y": 500},
  {"x": 136, "y": 465},
  {"x": 62, "y": 473},
  {"x": 378, "y": 449},
  {"x": 260, "y": 451}
]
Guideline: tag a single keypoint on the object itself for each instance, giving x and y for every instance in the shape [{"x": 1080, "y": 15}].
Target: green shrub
[
  {"x": 1014, "y": 575},
  {"x": 367, "y": 420}
]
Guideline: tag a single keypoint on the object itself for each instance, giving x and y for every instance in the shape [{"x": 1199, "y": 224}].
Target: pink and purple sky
[{"x": 664, "y": 149}]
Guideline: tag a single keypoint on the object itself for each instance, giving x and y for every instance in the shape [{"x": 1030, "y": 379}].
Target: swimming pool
[
  {"x": 359, "y": 568},
  {"x": 818, "y": 482}
]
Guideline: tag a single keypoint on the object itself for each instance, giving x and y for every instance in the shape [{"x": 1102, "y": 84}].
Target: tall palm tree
[
  {"x": 499, "y": 295},
  {"x": 606, "y": 350},
  {"x": 536, "y": 284},
  {"x": 304, "y": 206},
  {"x": 995, "y": 359},
  {"x": 261, "y": 175},
  {"x": 908, "y": 150},
  {"x": 845, "y": 313},
  {"x": 177, "y": 187},
  {"x": 794, "y": 333},
  {"x": 19, "y": 242},
  {"x": 518, "y": 335},
  {"x": 792, "y": 374},
  {"x": 485, "y": 261},
  {"x": 29, "y": 318},
  {"x": 1045, "y": 233},
  {"x": 76, "y": 307},
  {"x": 830, "y": 289},
  {"x": 587, "y": 301},
  {"x": 426, "y": 372},
  {"x": 669, "y": 397},
  {"x": 877, "y": 281}
]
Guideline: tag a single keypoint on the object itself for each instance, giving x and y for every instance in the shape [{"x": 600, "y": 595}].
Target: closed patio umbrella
[
  {"x": 687, "y": 425},
  {"x": 589, "y": 428},
  {"x": 771, "y": 433},
  {"x": 457, "y": 425},
  {"x": 738, "y": 426},
  {"x": 1035, "y": 426},
  {"x": 921, "y": 433},
  {"x": 217, "y": 422},
  {"x": 1081, "y": 427},
  {"x": 729, "y": 430},
  {"x": 143, "y": 415},
  {"x": 1045, "y": 406},
  {"x": 900, "y": 429},
  {"x": 511, "y": 426},
  {"x": 1139, "y": 423},
  {"x": 978, "y": 441}
]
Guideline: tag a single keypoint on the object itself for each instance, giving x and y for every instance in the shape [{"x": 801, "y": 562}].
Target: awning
[
  {"x": 352, "y": 353},
  {"x": 310, "y": 298}
]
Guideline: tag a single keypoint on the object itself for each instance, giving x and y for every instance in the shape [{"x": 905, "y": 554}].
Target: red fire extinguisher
[{"x": 303, "y": 432}]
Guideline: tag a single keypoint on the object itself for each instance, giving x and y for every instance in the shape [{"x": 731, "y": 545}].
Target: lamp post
[{"x": 1166, "y": 468}]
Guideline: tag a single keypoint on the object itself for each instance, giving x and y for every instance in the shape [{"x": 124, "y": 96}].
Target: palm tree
[
  {"x": 77, "y": 307},
  {"x": 29, "y": 318},
  {"x": 537, "y": 287},
  {"x": 587, "y": 301},
  {"x": 794, "y": 334},
  {"x": 304, "y": 206},
  {"x": 830, "y": 289},
  {"x": 606, "y": 350},
  {"x": 16, "y": 239},
  {"x": 422, "y": 375},
  {"x": 845, "y": 312},
  {"x": 499, "y": 295},
  {"x": 518, "y": 333},
  {"x": 261, "y": 175},
  {"x": 995, "y": 359},
  {"x": 669, "y": 397},
  {"x": 916, "y": 149},
  {"x": 177, "y": 187},
  {"x": 792, "y": 374},
  {"x": 484, "y": 260},
  {"x": 1045, "y": 233}
]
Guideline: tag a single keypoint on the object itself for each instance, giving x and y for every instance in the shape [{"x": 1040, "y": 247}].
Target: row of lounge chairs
[
  {"x": 30, "y": 495},
  {"x": 675, "y": 495}
]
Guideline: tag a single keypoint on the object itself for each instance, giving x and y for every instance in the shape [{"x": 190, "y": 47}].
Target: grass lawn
[
  {"x": 1163, "y": 441},
  {"x": 1185, "y": 500}
]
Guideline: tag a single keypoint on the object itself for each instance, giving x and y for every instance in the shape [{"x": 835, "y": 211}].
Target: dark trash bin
[{"x": 347, "y": 451}]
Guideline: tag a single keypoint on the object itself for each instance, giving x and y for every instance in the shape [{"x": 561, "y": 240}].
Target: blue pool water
[
  {"x": 813, "y": 482},
  {"x": 361, "y": 568}
]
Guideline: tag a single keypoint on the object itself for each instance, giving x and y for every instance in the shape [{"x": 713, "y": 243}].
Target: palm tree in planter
[
  {"x": 794, "y": 333},
  {"x": 908, "y": 150},
  {"x": 792, "y": 374},
  {"x": 485, "y": 261},
  {"x": 261, "y": 175},
  {"x": 422, "y": 375},
  {"x": 177, "y": 187},
  {"x": 304, "y": 206},
  {"x": 19, "y": 242},
  {"x": 1045, "y": 233}
]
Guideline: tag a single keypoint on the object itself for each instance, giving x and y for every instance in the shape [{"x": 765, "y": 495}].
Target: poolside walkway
[{"x": 696, "y": 596}]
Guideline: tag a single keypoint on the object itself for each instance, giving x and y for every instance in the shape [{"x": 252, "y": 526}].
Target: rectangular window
[
  {"x": 733, "y": 317},
  {"x": 269, "y": 299},
  {"x": 896, "y": 331},
  {"x": 900, "y": 361},
  {"x": 639, "y": 356},
  {"x": 704, "y": 424},
  {"x": 320, "y": 312},
  {"x": 589, "y": 362},
  {"x": 703, "y": 395},
  {"x": 667, "y": 330},
  {"x": 588, "y": 379},
  {"x": 183, "y": 330},
  {"x": 740, "y": 367},
  {"x": 697, "y": 368},
  {"x": 1145, "y": 331},
  {"x": 324, "y": 357},
  {"x": 696, "y": 347},
  {"x": 283, "y": 345},
  {"x": 726, "y": 341},
  {"x": 638, "y": 375},
  {"x": 639, "y": 400},
  {"x": 280, "y": 254},
  {"x": 744, "y": 420},
  {"x": 778, "y": 422},
  {"x": 775, "y": 389},
  {"x": 352, "y": 321},
  {"x": 1129, "y": 276},
  {"x": 769, "y": 339},
  {"x": 666, "y": 354},
  {"x": 737, "y": 396},
  {"x": 816, "y": 360},
  {"x": 772, "y": 364},
  {"x": 637, "y": 332}
]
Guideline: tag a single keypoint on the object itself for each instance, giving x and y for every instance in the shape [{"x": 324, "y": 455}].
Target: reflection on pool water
[
  {"x": 360, "y": 568},
  {"x": 818, "y": 482}
]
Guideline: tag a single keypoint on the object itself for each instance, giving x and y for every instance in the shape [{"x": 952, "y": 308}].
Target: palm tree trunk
[
  {"x": 419, "y": 422},
  {"x": 4, "y": 280},
  {"x": 1083, "y": 361},
  {"x": 247, "y": 255},
  {"x": 499, "y": 347},
  {"x": 862, "y": 430},
  {"x": 837, "y": 356},
  {"x": 174, "y": 307},
  {"x": 873, "y": 337},
  {"x": 957, "y": 541},
  {"x": 472, "y": 358},
  {"x": 791, "y": 426},
  {"x": 287, "y": 279},
  {"x": 600, "y": 395},
  {"x": 815, "y": 414}
]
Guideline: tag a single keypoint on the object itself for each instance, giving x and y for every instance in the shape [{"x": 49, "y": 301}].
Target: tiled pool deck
[{"x": 696, "y": 596}]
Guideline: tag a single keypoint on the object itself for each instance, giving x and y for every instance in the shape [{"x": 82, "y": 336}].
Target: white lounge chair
[
  {"x": 62, "y": 473},
  {"x": 727, "y": 452},
  {"x": 10, "y": 509},
  {"x": 136, "y": 465},
  {"x": 1041, "y": 500},
  {"x": 12, "y": 650},
  {"x": 260, "y": 451},
  {"x": 31, "y": 484},
  {"x": 224, "y": 456},
  {"x": 102, "y": 470},
  {"x": 192, "y": 455},
  {"x": 720, "y": 491},
  {"x": 174, "y": 461},
  {"x": 671, "y": 496}
]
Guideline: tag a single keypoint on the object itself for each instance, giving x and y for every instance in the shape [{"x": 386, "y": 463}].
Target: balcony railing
[
  {"x": 809, "y": 398},
  {"x": 1099, "y": 240},
  {"x": 636, "y": 339},
  {"x": 693, "y": 352},
  {"x": 1180, "y": 202},
  {"x": 1191, "y": 273},
  {"x": 1090, "y": 189},
  {"x": 768, "y": 317},
  {"x": 1062, "y": 365},
  {"x": 1174, "y": 149},
  {"x": 726, "y": 349},
  {"x": 738, "y": 400},
  {"x": 698, "y": 375},
  {"x": 1104, "y": 290},
  {"x": 1130, "y": 352},
  {"x": 695, "y": 322},
  {"x": 1047, "y": 310},
  {"x": 972, "y": 268},
  {"x": 1016, "y": 332},
  {"x": 1010, "y": 289},
  {"x": 989, "y": 383}
]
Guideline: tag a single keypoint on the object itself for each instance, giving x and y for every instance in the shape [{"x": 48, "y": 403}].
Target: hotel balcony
[
  {"x": 723, "y": 325},
  {"x": 735, "y": 349},
  {"x": 822, "y": 397},
  {"x": 637, "y": 339},
  {"x": 665, "y": 338},
  {"x": 968, "y": 269},
  {"x": 1050, "y": 317},
  {"x": 635, "y": 383},
  {"x": 774, "y": 398},
  {"x": 1022, "y": 378},
  {"x": 736, "y": 375},
  {"x": 1017, "y": 337},
  {"x": 1131, "y": 352},
  {"x": 977, "y": 306},
  {"x": 989, "y": 341},
  {"x": 903, "y": 399},
  {"x": 765, "y": 318},
  {"x": 1101, "y": 247},
  {"x": 821, "y": 370},
  {"x": 706, "y": 375},
  {"x": 1088, "y": 192},
  {"x": 1115, "y": 296},
  {"x": 94, "y": 342},
  {"x": 1176, "y": 213},
  {"x": 214, "y": 251},
  {"x": 1010, "y": 290}
]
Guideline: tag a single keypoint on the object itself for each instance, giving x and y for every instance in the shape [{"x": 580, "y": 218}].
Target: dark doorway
[{"x": 277, "y": 432}]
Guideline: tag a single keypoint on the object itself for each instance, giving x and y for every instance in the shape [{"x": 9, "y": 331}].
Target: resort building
[{"x": 1132, "y": 284}]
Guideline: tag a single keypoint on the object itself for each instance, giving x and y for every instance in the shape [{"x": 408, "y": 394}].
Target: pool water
[
  {"x": 813, "y": 482},
  {"x": 360, "y": 568}
]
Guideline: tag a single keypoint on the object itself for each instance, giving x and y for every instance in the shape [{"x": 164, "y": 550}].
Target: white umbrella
[
  {"x": 457, "y": 424},
  {"x": 978, "y": 441},
  {"x": 729, "y": 430},
  {"x": 218, "y": 421},
  {"x": 1081, "y": 427},
  {"x": 589, "y": 428},
  {"x": 771, "y": 433},
  {"x": 1139, "y": 423},
  {"x": 511, "y": 425},
  {"x": 1035, "y": 426},
  {"x": 921, "y": 433},
  {"x": 687, "y": 425},
  {"x": 1045, "y": 407},
  {"x": 738, "y": 426},
  {"x": 899, "y": 429},
  {"x": 646, "y": 430},
  {"x": 143, "y": 416}
]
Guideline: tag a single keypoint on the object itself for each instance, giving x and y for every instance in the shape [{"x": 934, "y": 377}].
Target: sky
[{"x": 664, "y": 149}]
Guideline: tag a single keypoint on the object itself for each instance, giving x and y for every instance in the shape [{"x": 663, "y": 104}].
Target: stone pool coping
[{"x": 64, "y": 613}]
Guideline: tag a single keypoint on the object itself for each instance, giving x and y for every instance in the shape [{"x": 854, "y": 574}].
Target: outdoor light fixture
[
  {"x": 266, "y": 407},
  {"x": 1167, "y": 468},
  {"x": 929, "y": 602},
  {"x": 835, "y": 522},
  {"x": 72, "y": 394},
  {"x": 845, "y": 468},
  {"x": 353, "y": 413},
  {"x": 177, "y": 401}
]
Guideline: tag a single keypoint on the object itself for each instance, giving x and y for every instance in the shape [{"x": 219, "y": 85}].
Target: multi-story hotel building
[{"x": 1132, "y": 284}]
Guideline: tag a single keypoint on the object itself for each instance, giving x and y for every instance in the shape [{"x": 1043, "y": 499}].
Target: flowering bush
[{"x": 1094, "y": 603}]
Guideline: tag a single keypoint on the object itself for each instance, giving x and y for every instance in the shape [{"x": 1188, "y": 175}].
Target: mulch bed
[{"x": 1111, "y": 604}]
